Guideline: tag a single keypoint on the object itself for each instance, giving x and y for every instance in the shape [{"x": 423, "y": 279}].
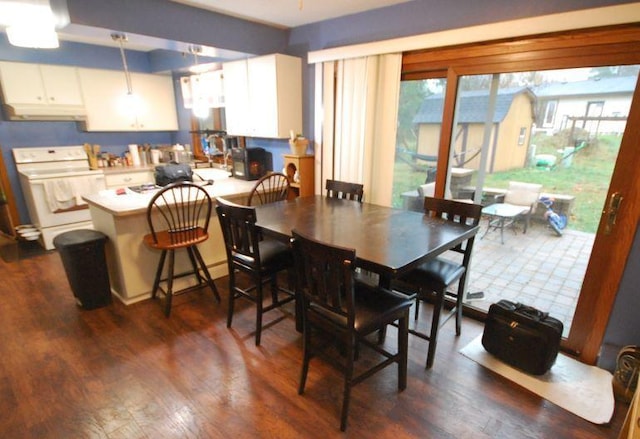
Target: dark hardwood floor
[{"x": 128, "y": 372}]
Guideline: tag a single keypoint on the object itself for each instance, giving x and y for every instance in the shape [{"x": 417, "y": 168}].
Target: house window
[
  {"x": 594, "y": 108},
  {"x": 522, "y": 136},
  {"x": 550, "y": 113}
]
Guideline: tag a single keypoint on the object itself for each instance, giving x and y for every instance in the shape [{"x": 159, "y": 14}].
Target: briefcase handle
[{"x": 531, "y": 312}]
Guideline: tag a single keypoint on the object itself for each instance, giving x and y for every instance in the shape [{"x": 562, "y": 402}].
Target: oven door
[{"x": 63, "y": 209}]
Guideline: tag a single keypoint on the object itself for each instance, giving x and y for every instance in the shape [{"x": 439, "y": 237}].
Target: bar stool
[{"x": 178, "y": 217}]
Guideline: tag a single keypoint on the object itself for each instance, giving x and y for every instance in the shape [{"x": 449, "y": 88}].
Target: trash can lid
[{"x": 78, "y": 237}]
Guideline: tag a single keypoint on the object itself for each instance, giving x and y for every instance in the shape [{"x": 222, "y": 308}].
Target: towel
[{"x": 63, "y": 194}]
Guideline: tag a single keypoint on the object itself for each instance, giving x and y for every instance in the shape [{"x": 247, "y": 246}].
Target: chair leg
[
  {"x": 403, "y": 351},
  {"x": 194, "y": 266},
  {"x": 348, "y": 378},
  {"x": 232, "y": 295},
  {"x": 167, "y": 306},
  {"x": 259, "y": 299},
  {"x": 207, "y": 276},
  {"x": 435, "y": 326},
  {"x": 306, "y": 357},
  {"x": 156, "y": 280}
]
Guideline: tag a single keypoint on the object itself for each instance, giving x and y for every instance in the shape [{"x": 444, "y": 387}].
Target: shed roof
[
  {"x": 473, "y": 106},
  {"x": 590, "y": 87}
]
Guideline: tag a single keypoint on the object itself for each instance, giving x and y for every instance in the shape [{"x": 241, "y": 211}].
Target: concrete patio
[{"x": 538, "y": 268}]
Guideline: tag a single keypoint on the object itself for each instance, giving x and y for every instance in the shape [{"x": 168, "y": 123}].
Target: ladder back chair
[
  {"x": 344, "y": 190},
  {"x": 269, "y": 188},
  {"x": 178, "y": 218},
  {"x": 334, "y": 303},
  {"x": 430, "y": 281},
  {"x": 260, "y": 258}
]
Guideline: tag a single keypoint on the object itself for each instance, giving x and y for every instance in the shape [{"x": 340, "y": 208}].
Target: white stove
[{"x": 53, "y": 181}]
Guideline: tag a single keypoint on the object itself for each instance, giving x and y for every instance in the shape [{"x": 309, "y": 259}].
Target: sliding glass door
[{"x": 550, "y": 111}]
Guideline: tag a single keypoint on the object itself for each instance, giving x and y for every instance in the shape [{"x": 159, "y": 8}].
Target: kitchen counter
[{"x": 131, "y": 264}]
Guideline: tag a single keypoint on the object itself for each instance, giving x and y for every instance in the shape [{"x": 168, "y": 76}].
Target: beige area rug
[{"x": 581, "y": 389}]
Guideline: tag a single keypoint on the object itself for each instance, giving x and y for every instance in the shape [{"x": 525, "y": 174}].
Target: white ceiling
[{"x": 289, "y": 13}]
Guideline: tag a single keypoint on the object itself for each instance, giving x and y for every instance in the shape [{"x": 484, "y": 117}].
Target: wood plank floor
[{"x": 128, "y": 372}]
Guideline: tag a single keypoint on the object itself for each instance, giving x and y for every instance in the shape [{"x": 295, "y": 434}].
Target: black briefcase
[{"x": 522, "y": 336}]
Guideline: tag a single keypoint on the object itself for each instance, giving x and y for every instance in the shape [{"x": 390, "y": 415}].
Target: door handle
[{"x": 611, "y": 211}]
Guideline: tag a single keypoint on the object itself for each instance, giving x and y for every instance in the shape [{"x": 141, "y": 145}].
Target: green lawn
[{"x": 587, "y": 178}]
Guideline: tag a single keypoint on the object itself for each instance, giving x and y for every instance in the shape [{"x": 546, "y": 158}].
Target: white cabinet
[
  {"x": 236, "y": 93},
  {"x": 109, "y": 108},
  {"x": 263, "y": 96},
  {"x": 41, "y": 91}
]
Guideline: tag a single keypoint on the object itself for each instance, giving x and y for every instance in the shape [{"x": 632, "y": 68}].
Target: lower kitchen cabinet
[{"x": 115, "y": 179}]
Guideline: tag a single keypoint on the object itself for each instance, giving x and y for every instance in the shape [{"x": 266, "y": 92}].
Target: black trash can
[{"x": 82, "y": 254}]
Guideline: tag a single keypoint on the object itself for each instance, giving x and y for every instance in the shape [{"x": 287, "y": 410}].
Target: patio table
[{"x": 502, "y": 215}]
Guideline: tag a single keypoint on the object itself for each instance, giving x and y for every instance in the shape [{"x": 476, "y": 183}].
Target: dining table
[{"x": 388, "y": 241}]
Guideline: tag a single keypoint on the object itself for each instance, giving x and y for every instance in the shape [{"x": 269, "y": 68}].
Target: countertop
[{"x": 133, "y": 203}]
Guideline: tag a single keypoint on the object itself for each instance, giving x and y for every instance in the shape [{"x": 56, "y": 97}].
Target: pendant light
[
  {"x": 200, "y": 104},
  {"x": 130, "y": 104}
]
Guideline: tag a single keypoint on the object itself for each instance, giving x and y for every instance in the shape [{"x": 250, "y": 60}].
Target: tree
[{"x": 412, "y": 93}]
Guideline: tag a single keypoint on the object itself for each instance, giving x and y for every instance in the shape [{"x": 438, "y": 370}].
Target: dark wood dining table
[{"x": 387, "y": 241}]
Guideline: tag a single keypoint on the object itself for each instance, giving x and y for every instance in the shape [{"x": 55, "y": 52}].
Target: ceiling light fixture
[{"x": 30, "y": 24}]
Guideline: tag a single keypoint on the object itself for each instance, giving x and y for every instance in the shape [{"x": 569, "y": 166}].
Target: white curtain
[{"x": 356, "y": 112}]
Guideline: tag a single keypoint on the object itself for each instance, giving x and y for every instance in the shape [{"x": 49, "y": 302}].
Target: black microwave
[{"x": 249, "y": 163}]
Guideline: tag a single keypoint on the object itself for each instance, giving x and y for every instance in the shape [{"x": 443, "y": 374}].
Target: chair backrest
[
  {"x": 523, "y": 194},
  {"x": 183, "y": 210},
  {"x": 344, "y": 190},
  {"x": 268, "y": 189},
  {"x": 241, "y": 235},
  {"x": 455, "y": 211},
  {"x": 324, "y": 276}
]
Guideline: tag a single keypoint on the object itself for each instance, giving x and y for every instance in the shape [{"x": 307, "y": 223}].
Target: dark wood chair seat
[
  {"x": 258, "y": 257},
  {"x": 332, "y": 302},
  {"x": 431, "y": 280}
]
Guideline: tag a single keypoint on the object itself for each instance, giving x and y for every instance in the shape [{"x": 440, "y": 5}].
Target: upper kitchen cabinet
[
  {"x": 41, "y": 92},
  {"x": 263, "y": 96},
  {"x": 151, "y": 108}
]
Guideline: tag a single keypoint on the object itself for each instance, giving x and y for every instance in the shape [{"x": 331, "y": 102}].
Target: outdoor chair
[
  {"x": 431, "y": 280},
  {"x": 178, "y": 218},
  {"x": 525, "y": 195},
  {"x": 347, "y": 311},
  {"x": 258, "y": 257}
]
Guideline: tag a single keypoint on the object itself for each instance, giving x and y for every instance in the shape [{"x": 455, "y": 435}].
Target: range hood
[{"x": 33, "y": 112}]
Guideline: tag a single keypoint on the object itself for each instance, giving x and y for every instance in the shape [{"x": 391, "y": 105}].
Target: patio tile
[{"x": 536, "y": 268}]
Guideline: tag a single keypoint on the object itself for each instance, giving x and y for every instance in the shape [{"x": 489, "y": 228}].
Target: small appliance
[{"x": 249, "y": 163}]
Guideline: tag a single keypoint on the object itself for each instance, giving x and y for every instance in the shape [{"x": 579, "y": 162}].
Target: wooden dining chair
[
  {"x": 259, "y": 258},
  {"x": 344, "y": 190},
  {"x": 272, "y": 187},
  {"x": 333, "y": 303},
  {"x": 178, "y": 218},
  {"x": 431, "y": 280}
]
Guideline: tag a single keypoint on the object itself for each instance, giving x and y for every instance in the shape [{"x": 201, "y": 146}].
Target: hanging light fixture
[
  {"x": 131, "y": 103},
  {"x": 200, "y": 104}
]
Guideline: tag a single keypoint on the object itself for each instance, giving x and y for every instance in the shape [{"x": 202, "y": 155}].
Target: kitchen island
[{"x": 131, "y": 264}]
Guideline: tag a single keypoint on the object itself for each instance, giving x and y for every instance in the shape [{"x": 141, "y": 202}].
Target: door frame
[{"x": 613, "y": 45}]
